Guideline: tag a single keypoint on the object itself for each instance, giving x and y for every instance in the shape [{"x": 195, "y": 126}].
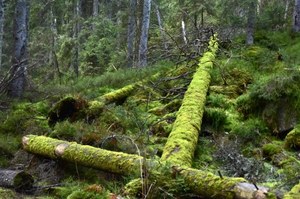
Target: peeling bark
[
  {"x": 182, "y": 141},
  {"x": 201, "y": 183}
]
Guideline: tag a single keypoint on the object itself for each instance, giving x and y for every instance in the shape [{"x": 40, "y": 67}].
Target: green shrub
[
  {"x": 218, "y": 101},
  {"x": 215, "y": 117}
]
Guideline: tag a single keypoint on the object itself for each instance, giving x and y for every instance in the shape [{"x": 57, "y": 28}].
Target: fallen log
[
  {"x": 71, "y": 107},
  {"x": 182, "y": 141},
  {"x": 201, "y": 183},
  {"x": 294, "y": 193},
  {"x": 17, "y": 179}
]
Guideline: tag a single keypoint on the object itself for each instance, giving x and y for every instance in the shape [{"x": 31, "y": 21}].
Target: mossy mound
[
  {"x": 292, "y": 140},
  {"x": 271, "y": 149}
]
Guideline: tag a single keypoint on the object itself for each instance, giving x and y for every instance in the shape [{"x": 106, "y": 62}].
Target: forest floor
[{"x": 250, "y": 127}]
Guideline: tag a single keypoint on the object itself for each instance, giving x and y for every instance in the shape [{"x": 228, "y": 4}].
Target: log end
[
  {"x": 25, "y": 141},
  {"x": 60, "y": 149}
]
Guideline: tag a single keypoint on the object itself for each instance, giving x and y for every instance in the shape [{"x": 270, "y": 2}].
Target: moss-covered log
[
  {"x": 75, "y": 108},
  {"x": 294, "y": 193},
  {"x": 183, "y": 138},
  {"x": 201, "y": 183},
  {"x": 16, "y": 179}
]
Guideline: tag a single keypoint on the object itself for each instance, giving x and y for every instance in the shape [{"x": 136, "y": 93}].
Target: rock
[
  {"x": 281, "y": 116},
  {"x": 292, "y": 140}
]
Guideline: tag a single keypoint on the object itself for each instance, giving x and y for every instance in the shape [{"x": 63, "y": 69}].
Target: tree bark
[
  {"x": 296, "y": 16},
  {"x": 183, "y": 26},
  {"x": 160, "y": 25},
  {"x": 95, "y": 12},
  {"x": 201, "y": 183},
  {"x": 16, "y": 179},
  {"x": 131, "y": 33},
  {"x": 286, "y": 10},
  {"x": 20, "y": 56},
  {"x": 182, "y": 141},
  {"x": 1, "y": 29},
  {"x": 77, "y": 29},
  {"x": 250, "y": 23},
  {"x": 143, "y": 47}
]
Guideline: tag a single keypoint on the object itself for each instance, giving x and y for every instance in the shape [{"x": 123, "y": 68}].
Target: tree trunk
[
  {"x": 296, "y": 16},
  {"x": 143, "y": 47},
  {"x": 131, "y": 33},
  {"x": 20, "y": 56},
  {"x": 183, "y": 26},
  {"x": 250, "y": 23},
  {"x": 1, "y": 29},
  {"x": 182, "y": 141},
  {"x": 77, "y": 28},
  {"x": 95, "y": 12},
  {"x": 160, "y": 25},
  {"x": 16, "y": 179},
  {"x": 286, "y": 10},
  {"x": 201, "y": 183}
]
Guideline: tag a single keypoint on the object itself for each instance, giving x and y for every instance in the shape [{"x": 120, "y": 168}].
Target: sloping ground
[{"x": 237, "y": 136}]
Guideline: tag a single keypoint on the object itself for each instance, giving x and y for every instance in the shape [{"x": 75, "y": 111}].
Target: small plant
[{"x": 215, "y": 117}]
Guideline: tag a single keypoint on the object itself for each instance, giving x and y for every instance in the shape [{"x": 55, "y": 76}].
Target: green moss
[
  {"x": 294, "y": 193},
  {"x": 292, "y": 140},
  {"x": 7, "y": 194},
  {"x": 169, "y": 107},
  {"x": 215, "y": 117},
  {"x": 271, "y": 149},
  {"x": 182, "y": 141}
]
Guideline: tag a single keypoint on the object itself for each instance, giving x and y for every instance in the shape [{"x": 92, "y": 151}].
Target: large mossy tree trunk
[
  {"x": 182, "y": 141},
  {"x": 201, "y": 183}
]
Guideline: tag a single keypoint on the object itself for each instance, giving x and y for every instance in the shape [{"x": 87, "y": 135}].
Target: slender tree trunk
[
  {"x": 159, "y": 21},
  {"x": 131, "y": 33},
  {"x": 286, "y": 10},
  {"x": 296, "y": 16},
  {"x": 183, "y": 24},
  {"x": 250, "y": 23},
  {"x": 95, "y": 12},
  {"x": 1, "y": 29},
  {"x": 52, "y": 56},
  {"x": 143, "y": 47},
  {"x": 20, "y": 56},
  {"x": 77, "y": 28},
  {"x": 109, "y": 9}
]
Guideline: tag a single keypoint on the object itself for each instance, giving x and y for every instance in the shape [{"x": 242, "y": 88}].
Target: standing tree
[
  {"x": 20, "y": 56},
  {"x": 131, "y": 32},
  {"x": 296, "y": 16},
  {"x": 95, "y": 12},
  {"x": 143, "y": 47},
  {"x": 1, "y": 29},
  {"x": 76, "y": 31},
  {"x": 251, "y": 22}
]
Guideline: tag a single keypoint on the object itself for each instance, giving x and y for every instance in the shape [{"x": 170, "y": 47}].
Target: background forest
[{"x": 113, "y": 74}]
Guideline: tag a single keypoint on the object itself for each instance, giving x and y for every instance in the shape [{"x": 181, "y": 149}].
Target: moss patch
[{"x": 292, "y": 140}]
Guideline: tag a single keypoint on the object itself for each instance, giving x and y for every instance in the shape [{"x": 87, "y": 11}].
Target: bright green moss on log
[
  {"x": 76, "y": 108},
  {"x": 292, "y": 140},
  {"x": 182, "y": 141},
  {"x": 294, "y": 193},
  {"x": 199, "y": 182},
  {"x": 116, "y": 162}
]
